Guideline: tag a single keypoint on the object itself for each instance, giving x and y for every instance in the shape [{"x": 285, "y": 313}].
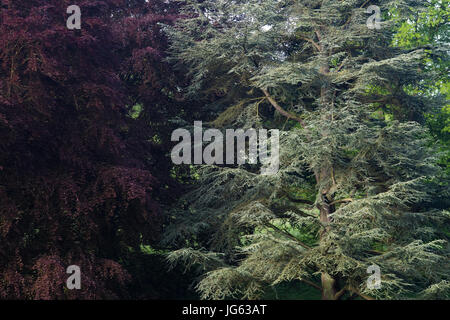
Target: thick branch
[
  {"x": 341, "y": 201},
  {"x": 312, "y": 42},
  {"x": 281, "y": 110}
]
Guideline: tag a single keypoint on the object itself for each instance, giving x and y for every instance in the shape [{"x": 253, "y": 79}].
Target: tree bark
[
  {"x": 329, "y": 291},
  {"x": 328, "y": 287}
]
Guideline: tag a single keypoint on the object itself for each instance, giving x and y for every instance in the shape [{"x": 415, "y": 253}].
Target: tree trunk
[
  {"x": 328, "y": 282},
  {"x": 325, "y": 176},
  {"x": 328, "y": 287}
]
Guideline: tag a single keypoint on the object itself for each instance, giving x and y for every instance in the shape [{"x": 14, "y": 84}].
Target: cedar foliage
[{"x": 355, "y": 186}]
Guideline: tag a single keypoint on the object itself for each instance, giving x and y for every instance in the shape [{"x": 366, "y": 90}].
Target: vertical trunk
[
  {"x": 325, "y": 180},
  {"x": 328, "y": 282}
]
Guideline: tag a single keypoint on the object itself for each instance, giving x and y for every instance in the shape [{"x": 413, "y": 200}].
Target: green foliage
[
  {"x": 357, "y": 175},
  {"x": 430, "y": 28}
]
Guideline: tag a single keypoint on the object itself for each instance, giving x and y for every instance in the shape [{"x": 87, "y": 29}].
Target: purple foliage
[{"x": 75, "y": 180}]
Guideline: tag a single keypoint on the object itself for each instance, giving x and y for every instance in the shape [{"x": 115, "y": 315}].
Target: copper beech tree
[{"x": 79, "y": 173}]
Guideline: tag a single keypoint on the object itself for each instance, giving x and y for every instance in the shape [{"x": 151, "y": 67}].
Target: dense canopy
[{"x": 86, "y": 123}]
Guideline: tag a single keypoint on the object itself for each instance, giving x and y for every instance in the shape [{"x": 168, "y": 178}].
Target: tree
[
  {"x": 353, "y": 187},
  {"x": 428, "y": 28},
  {"x": 81, "y": 179}
]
